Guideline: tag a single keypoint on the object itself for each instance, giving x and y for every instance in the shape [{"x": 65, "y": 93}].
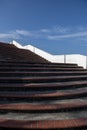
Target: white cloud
[
  {"x": 24, "y": 32},
  {"x": 60, "y": 29},
  {"x": 55, "y": 29},
  {"x": 78, "y": 34},
  {"x": 9, "y": 35},
  {"x": 19, "y": 34},
  {"x": 45, "y": 30},
  {"x": 2, "y": 35},
  {"x": 55, "y": 33}
]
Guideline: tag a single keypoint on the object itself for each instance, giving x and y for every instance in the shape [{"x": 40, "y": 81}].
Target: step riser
[
  {"x": 39, "y": 74},
  {"x": 66, "y": 128},
  {"x": 30, "y": 63},
  {"x": 8, "y": 69},
  {"x": 41, "y": 66},
  {"x": 40, "y": 88},
  {"x": 72, "y": 128},
  {"x": 13, "y": 81}
]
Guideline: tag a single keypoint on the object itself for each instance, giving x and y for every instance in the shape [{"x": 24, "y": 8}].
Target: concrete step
[
  {"x": 42, "y": 79},
  {"x": 79, "y": 123}
]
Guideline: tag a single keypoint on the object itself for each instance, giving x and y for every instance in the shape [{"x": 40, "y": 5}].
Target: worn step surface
[
  {"x": 45, "y": 116},
  {"x": 80, "y": 123},
  {"x": 43, "y": 107}
]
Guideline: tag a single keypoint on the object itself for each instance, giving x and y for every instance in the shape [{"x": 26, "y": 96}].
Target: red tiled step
[
  {"x": 44, "y": 124},
  {"x": 43, "y": 107}
]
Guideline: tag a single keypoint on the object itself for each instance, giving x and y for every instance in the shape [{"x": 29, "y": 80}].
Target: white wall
[
  {"x": 38, "y": 51},
  {"x": 58, "y": 58},
  {"x": 17, "y": 44},
  {"x": 81, "y": 60}
]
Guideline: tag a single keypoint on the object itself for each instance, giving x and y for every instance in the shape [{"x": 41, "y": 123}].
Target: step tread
[
  {"x": 45, "y": 116},
  {"x": 42, "y": 68},
  {"x": 37, "y": 85},
  {"x": 39, "y": 65},
  {"x": 26, "y": 62},
  {"x": 44, "y": 124},
  {"x": 42, "y": 107},
  {"x": 43, "y": 72},
  {"x": 46, "y": 95},
  {"x": 42, "y": 78}
]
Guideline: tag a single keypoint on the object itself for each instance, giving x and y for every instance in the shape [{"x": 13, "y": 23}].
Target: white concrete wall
[
  {"x": 17, "y": 44},
  {"x": 58, "y": 58},
  {"x": 38, "y": 51},
  {"x": 73, "y": 58},
  {"x": 81, "y": 60}
]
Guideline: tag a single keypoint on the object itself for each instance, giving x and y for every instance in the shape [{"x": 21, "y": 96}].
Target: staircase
[
  {"x": 9, "y": 52},
  {"x": 42, "y": 96},
  {"x": 38, "y": 95}
]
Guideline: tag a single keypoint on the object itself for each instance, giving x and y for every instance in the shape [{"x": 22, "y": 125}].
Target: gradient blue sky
[{"x": 56, "y": 26}]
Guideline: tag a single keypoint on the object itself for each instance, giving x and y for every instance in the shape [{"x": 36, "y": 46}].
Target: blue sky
[{"x": 56, "y": 26}]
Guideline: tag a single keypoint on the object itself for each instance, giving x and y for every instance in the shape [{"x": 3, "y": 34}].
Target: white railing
[{"x": 81, "y": 60}]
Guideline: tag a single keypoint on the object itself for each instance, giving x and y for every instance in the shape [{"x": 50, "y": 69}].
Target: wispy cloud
[
  {"x": 20, "y": 34},
  {"x": 17, "y": 34},
  {"x": 45, "y": 30},
  {"x": 60, "y": 29},
  {"x": 29, "y": 33},
  {"x": 55, "y": 29},
  {"x": 73, "y": 35},
  {"x": 23, "y": 32},
  {"x": 54, "y": 33},
  {"x": 9, "y": 35}
]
